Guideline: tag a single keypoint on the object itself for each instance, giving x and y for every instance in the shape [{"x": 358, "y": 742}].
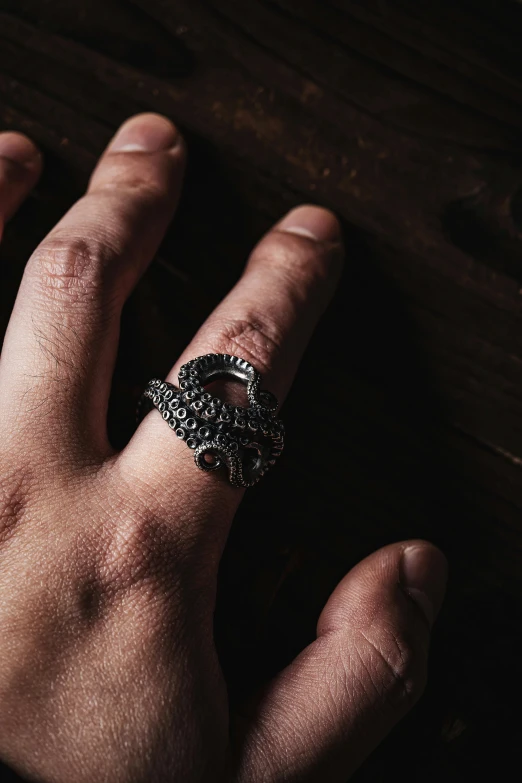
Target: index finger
[{"x": 267, "y": 319}]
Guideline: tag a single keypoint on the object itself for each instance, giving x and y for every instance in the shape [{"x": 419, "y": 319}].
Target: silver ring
[{"x": 247, "y": 441}]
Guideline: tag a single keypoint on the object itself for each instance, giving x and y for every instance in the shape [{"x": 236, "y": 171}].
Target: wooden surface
[{"x": 406, "y": 118}]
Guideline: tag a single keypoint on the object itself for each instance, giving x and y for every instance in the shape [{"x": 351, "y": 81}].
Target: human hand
[{"x": 108, "y": 561}]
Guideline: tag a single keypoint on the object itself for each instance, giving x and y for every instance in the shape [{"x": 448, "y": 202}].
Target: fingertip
[
  {"x": 17, "y": 149},
  {"x": 20, "y": 168},
  {"x": 423, "y": 574},
  {"x": 313, "y": 222},
  {"x": 147, "y": 132},
  {"x": 147, "y": 154},
  {"x": 416, "y": 568}
]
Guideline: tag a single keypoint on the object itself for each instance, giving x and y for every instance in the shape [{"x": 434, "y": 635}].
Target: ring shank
[{"x": 248, "y": 440}]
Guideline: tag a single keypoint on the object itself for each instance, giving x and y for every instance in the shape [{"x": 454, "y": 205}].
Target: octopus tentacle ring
[{"x": 247, "y": 440}]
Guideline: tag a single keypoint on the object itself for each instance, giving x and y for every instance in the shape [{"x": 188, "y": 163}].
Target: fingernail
[
  {"x": 315, "y": 223},
  {"x": 145, "y": 133},
  {"x": 423, "y": 576},
  {"x": 20, "y": 150}
]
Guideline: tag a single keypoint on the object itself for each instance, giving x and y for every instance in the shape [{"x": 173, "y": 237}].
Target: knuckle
[
  {"x": 395, "y": 670},
  {"x": 251, "y": 337},
  {"x": 140, "y": 552},
  {"x": 68, "y": 268},
  {"x": 300, "y": 260},
  {"x": 281, "y": 248},
  {"x": 143, "y": 182},
  {"x": 14, "y": 491}
]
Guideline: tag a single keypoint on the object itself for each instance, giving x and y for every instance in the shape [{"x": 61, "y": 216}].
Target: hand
[{"x": 108, "y": 561}]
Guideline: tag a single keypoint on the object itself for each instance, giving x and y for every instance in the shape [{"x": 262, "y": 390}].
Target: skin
[{"x": 108, "y": 670}]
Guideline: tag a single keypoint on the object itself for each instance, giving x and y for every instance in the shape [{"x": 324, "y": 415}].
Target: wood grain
[{"x": 406, "y": 118}]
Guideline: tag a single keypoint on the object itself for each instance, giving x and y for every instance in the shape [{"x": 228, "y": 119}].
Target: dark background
[{"x": 404, "y": 117}]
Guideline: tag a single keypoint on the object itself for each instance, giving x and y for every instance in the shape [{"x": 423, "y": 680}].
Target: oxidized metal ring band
[{"x": 247, "y": 440}]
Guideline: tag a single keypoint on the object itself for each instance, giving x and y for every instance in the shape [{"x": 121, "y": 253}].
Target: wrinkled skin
[{"x": 108, "y": 561}]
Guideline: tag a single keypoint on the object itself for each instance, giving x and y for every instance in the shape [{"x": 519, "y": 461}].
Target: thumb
[{"x": 324, "y": 713}]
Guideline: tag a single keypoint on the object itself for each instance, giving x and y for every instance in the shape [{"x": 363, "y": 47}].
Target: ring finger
[{"x": 20, "y": 167}]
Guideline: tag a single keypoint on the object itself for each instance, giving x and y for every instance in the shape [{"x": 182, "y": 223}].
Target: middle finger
[{"x": 61, "y": 343}]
